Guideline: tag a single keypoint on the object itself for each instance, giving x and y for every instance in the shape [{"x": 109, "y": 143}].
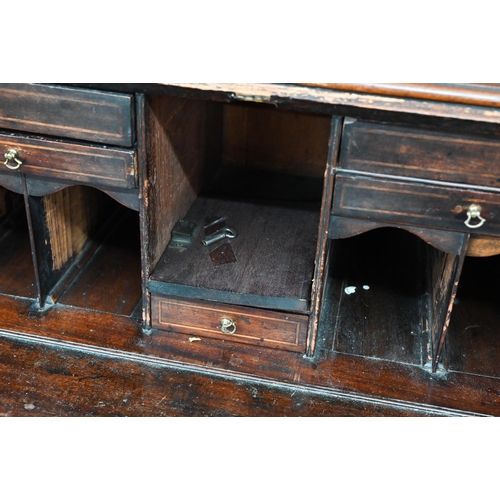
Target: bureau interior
[
  {"x": 88, "y": 251},
  {"x": 17, "y": 276},
  {"x": 376, "y": 300},
  {"x": 258, "y": 171}
]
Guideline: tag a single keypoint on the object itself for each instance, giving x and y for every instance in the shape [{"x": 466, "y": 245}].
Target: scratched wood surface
[{"x": 38, "y": 380}]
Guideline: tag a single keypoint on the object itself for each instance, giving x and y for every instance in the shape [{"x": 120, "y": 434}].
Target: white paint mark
[
  {"x": 350, "y": 289},
  {"x": 366, "y": 287},
  {"x": 194, "y": 339}
]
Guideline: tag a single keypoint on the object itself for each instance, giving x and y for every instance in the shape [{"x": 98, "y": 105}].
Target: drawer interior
[{"x": 260, "y": 171}]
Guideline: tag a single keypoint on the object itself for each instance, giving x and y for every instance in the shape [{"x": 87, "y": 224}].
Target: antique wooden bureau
[{"x": 339, "y": 238}]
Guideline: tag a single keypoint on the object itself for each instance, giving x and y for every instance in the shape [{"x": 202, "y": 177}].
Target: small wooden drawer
[
  {"x": 416, "y": 204},
  {"x": 95, "y": 165},
  {"x": 411, "y": 152},
  {"x": 87, "y": 115},
  {"x": 244, "y": 324}
]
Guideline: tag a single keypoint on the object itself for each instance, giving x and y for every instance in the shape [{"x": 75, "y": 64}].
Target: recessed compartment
[
  {"x": 388, "y": 296},
  {"x": 249, "y": 182},
  {"x": 473, "y": 341},
  {"x": 88, "y": 251},
  {"x": 17, "y": 275},
  {"x": 83, "y": 250}
]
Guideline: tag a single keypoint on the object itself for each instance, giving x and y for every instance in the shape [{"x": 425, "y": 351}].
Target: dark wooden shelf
[{"x": 271, "y": 263}]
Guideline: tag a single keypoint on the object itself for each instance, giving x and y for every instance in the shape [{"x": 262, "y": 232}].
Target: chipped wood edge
[{"x": 258, "y": 92}]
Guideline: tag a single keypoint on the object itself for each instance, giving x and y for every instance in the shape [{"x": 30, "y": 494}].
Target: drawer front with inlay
[
  {"x": 88, "y": 115},
  {"x": 99, "y": 166},
  {"x": 417, "y": 204},
  {"x": 410, "y": 152},
  {"x": 239, "y": 324}
]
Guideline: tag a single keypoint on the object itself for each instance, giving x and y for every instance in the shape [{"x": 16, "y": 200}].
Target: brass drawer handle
[
  {"x": 227, "y": 326},
  {"x": 11, "y": 155},
  {"x": 474, "y": 212}
]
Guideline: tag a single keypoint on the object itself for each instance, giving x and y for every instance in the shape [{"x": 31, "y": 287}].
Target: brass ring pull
[
  {"x": 227, "y": 326},
  {"x": 474, "y": 212},
  {"x": 11, "y": 155}
]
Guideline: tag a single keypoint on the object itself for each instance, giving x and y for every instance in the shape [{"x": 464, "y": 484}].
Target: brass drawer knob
[
  {"x": 474, "y": 212},
  {"x": 11, "y": 155},
  {"x": 227, "y": 326}
]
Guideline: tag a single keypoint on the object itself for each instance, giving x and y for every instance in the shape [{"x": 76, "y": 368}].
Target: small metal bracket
[{"x": 183, "y": 234}]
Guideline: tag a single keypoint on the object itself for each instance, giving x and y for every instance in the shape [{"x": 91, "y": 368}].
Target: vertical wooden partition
[{"x": 444, "y": 276}]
